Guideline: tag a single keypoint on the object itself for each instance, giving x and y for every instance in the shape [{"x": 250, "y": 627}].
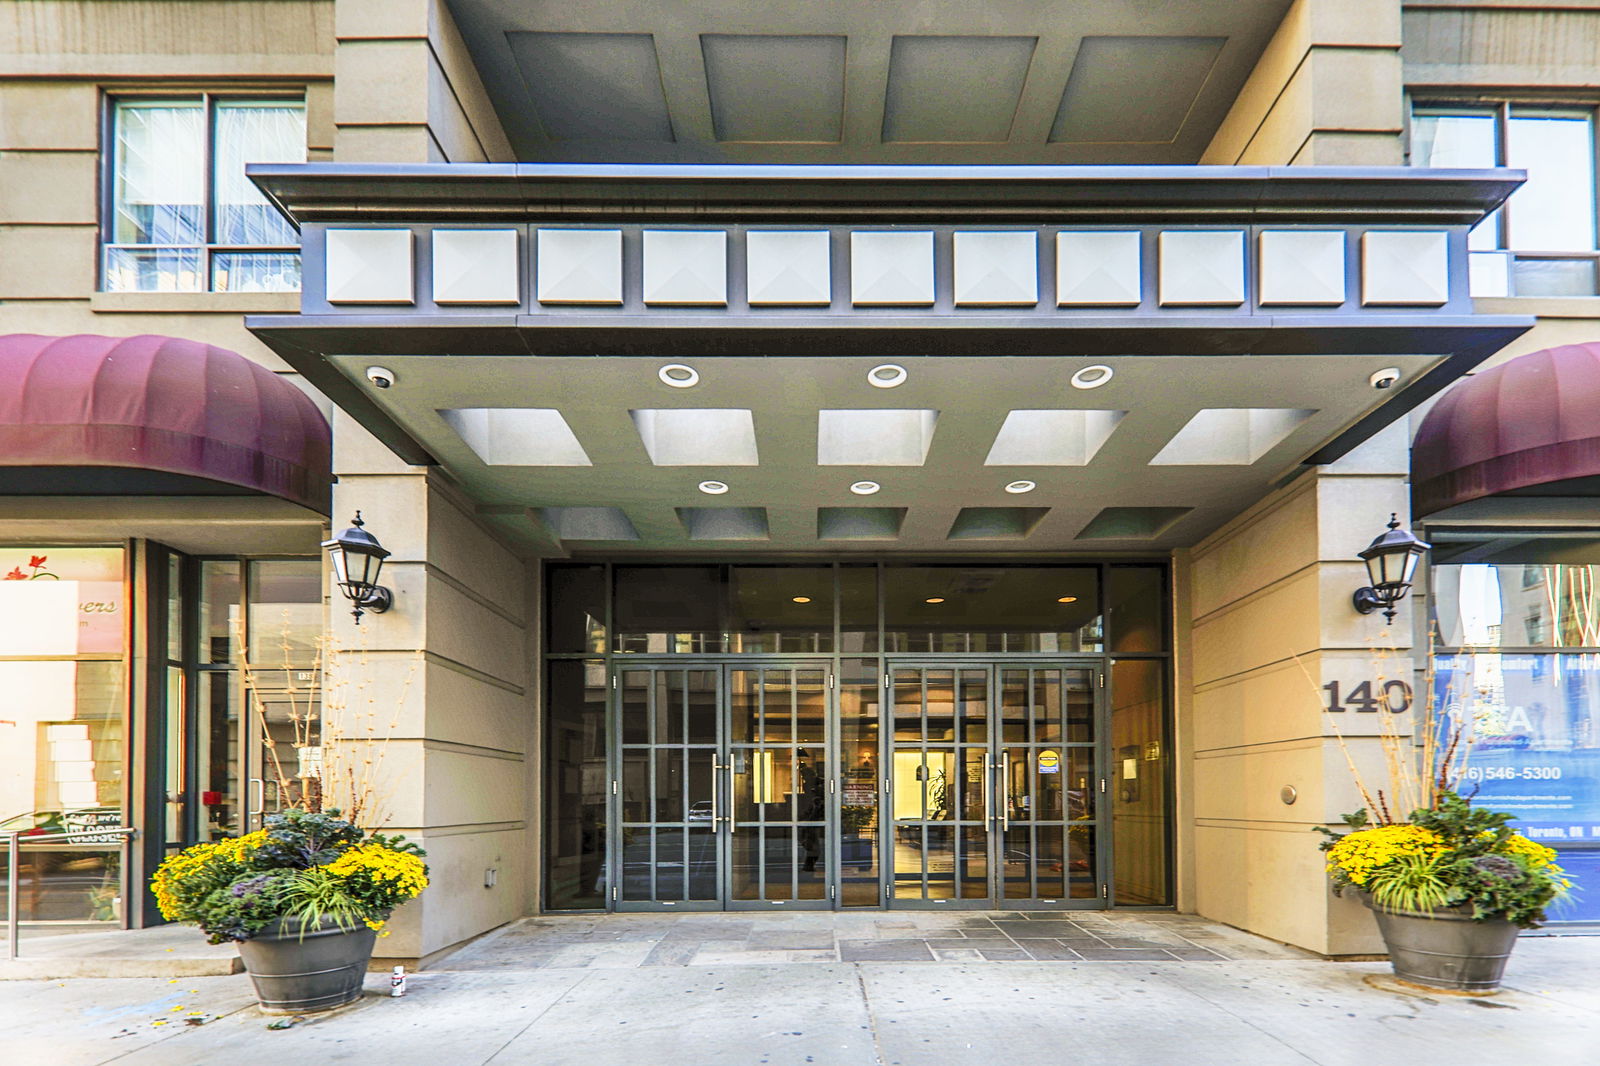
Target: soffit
[{"x": 908, "y": 81}]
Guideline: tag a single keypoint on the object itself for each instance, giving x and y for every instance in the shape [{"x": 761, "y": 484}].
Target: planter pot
[
  {"x": 1445, "y": 948},
  {"x": 298, "y": 970}
]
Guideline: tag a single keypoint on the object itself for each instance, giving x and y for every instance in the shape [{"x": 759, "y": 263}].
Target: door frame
[
  {"x": 722, "y": 666},
  {"x": 1097, "y": 667}
]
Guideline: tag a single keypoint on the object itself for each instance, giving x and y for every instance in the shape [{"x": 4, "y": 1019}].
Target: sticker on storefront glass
[{"x": 1049, "y": 762}]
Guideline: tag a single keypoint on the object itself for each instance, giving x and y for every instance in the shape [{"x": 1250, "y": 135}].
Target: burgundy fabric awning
[
  {"x": 1533, "y": 420},
  {"x": 197, "y": 414}
]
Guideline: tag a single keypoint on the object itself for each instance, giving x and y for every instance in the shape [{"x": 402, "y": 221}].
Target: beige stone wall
[
  {"x": 58, "y": 60},
  {"x": 452, "y": 664},
  {"x": 1326, "y": 92},
  {"x": 1270, "y": 623}
]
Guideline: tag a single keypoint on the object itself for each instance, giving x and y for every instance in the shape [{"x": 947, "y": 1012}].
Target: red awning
[
  {"x": 204, "y": 418},
  {"x": 1532, "y": 421}
]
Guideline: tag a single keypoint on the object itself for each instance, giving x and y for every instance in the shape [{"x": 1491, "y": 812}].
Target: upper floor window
[
  {"x": 182, "y": 215},
  {"x": 1543, "y": 241}
]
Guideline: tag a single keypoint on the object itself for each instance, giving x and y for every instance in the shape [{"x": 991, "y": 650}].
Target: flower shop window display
[{"x": 305, "y": 898}]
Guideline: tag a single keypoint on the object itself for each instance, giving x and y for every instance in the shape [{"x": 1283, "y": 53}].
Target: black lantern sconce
[
  {"x": 357, "y": 560},
  {"x": 1391, "y": 560}
]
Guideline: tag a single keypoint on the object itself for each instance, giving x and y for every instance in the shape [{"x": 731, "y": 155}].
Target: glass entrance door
[
  {"x": 721, "y": 787},
  {"x": 995, "y": 773}
]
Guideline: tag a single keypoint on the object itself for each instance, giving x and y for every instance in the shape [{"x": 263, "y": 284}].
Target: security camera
[
  {"x": 382, "y": 377},
  {"x": 1385, "y": 378}
]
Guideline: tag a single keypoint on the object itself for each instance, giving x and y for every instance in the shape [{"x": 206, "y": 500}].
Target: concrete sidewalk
[{"x": 1258, "y": 1011}]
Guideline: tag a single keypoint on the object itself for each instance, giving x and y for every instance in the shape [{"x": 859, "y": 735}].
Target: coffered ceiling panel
[{"x": 841, "y": 81}]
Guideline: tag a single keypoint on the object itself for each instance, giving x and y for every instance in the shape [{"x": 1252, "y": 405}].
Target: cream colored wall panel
[
  {"x": 451, "y": 127},
  {"x": 1279, "y": 60},
  {"x": 685, "y": 268},
  {"x": 1268, "y": 627},
  {"x": 1353, "y": 510},
  {"x": 466, "y": 710},
  {"x": 1357, "y": 89},
  {"x": 1201, "y": 267},
  {"x": 464, "y": 630},
  {"x": 468, "y": 787},
  {"x": 361, "y": 461},
  {"x": 1273, "y": 542},
  {"x": 457, "y": 906},
  {"x": 386, "y": 144},
  {"x": 370, "y": 266},
  {"x": 579, "y": 266},
  {"x": 49, "y": 187},
  {"x": 461, "y": 548},
  {"x": 47, "y": 262},
  {"x": 1537, "y": 47},
  {"x": 1247, "y": 786},
  {"x": 1350, "y": 150},
  {"x": 996, "y": 269},
  {"x": 466, "y": 87},
  {"x": 1289, "y": 905},
  {"x": 64, "y": 116},
  {"x": 1271, "y": 705},
  {"x": 381, "y": 83},
  {"x": 1304, "y": 267},
  {"x": 320, "y": 128},
  {"x": 1285, "y": 127},
  {"x": 1098, "y": 268},
  {"x": 378, "y": 19},
  {"x": 476, "y": 266},
  {"x": 788, "y": 268},
  {"x": 225, "y": 330},
  {"x": 891, "y": 269},
  {"x": 1405, "y": 268}
]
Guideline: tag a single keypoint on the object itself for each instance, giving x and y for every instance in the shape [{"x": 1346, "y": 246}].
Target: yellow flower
[
  {"x": 1537, "y": 856},
  {"x": 1360, "y": 853}
]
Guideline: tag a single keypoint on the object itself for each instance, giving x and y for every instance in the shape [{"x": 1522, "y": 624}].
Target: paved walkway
[
  {"x": 628, "y": 940},
  {"x": 584, "y": 1006}
]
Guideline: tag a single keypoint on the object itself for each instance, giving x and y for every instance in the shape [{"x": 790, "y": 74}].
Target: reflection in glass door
[
  {"x": 993, "y": 786},
  {"x": 721, "y": 782}
]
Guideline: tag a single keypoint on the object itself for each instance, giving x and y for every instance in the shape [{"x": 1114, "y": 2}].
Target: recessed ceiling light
[
  {"x": 1016, "y": 488},
  {"x": 934, "y": 599},
  {"x": 1066, "y": 599},
  {"x": 865, "y": 488},
  {"x": 713, "y": 488},
  {"x": 886, "y": 376},
  {"x": 802, "y": 599},
  {"x": 1092, "y": 377},
  {"x": 679, "y": 376}
]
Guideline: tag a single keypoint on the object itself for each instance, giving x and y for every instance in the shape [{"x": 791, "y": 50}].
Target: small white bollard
[{"x": 397, "y": 981}]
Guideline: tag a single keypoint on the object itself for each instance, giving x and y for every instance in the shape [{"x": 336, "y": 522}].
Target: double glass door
[
  {"x": 722, "y": 787},
  {"x": 994, "y": 787}
]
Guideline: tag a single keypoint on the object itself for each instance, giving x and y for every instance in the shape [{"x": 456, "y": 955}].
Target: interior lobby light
[
  {"x": 1066, "y": 599},
  {"x": 802, "y": 599},
  {"x": 1391, "y": 560},
  {"x": 934, "y": 599}
]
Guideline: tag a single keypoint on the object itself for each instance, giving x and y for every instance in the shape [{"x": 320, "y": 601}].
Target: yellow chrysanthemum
[
  {"x": 1360, "y": 853},
  {"x": 1537, "y": 856}
]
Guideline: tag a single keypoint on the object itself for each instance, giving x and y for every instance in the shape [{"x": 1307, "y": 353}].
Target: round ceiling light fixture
[
  {"x": 934, "y": 599},
  {"x": 865, "y": 488},
  {"x": 802, "y": 599},
  {"x": 886, "y": 376},
  {"x": 713, "y": 488},
  {"x": 1017, "y": 488},
  {"x": 1066, "y": 599},
  {"x": 1092, "y": 377},
  {"x": 679, "y": 376}
]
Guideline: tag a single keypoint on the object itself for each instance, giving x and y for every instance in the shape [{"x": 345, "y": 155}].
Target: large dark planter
[
  {"x": 297, "y": 970},
  {"x": 1445, "y": 948}
]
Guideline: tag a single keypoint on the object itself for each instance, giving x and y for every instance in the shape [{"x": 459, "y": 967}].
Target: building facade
[{"x": 876, "y": 456}]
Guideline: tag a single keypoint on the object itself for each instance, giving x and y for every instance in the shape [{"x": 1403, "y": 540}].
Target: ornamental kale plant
[
  {"x": 1449, "y": 855},
  {"x": 312, "y": 868}
]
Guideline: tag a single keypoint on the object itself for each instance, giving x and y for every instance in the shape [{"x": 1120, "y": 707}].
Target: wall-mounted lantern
[
  {"x": 357, "y": 560},
  {"x": 1391, "y": 560}
]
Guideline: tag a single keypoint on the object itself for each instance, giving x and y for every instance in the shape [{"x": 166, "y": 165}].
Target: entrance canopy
[
  {"x": 1530, "y": 426},
  {"x": 143, "y": 416}
]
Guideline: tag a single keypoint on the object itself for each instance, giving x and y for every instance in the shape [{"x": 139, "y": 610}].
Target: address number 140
[{"x": 1369, "y": 697}]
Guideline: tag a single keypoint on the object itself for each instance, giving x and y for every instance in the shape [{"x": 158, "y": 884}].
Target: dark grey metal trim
[{"x": 324, "y": 192}]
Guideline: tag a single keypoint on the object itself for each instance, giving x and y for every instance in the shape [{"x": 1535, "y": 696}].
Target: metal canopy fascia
[{"x": 358, "y": 192}]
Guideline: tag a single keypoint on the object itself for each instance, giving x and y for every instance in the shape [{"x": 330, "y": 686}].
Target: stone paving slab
[
  {"x": 622, "y": 940},
  {"x": 1259, "y": 1012}
]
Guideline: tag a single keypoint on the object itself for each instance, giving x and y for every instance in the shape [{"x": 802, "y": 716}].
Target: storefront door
[
  {"x": 994, "y": 786},
  {"x": 721, "y": 790}
]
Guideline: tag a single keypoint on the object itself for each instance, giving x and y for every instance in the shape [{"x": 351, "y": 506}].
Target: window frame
[
  {"x": 208, "y": 99},
  {"x": 1501, "y": 106}
]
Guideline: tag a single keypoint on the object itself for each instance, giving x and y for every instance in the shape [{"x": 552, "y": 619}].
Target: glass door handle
[
  {"x": 988, "y": 791},
  {"x": 729, "y": 816},
  {"x": 1005, "y": 797},
  {"x": 716, "y": 796}
]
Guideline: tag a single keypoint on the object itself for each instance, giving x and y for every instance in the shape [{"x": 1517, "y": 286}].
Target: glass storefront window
[
  {"x": 1140, "y": 756},
  {"x": 1136, "y": 599},
  {"x": 575, "y": 620},
  {"x": 968, "y": 609},
  {"x": 285, "y": 626},
  {"x": 62, "y": 751},
  {"x": 859, "y": 717},
  {"x": 689, "y": 609}
]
